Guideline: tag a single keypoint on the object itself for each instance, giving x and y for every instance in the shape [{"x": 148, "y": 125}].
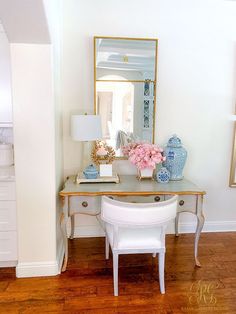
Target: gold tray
[{"x": 80, "y": 178}]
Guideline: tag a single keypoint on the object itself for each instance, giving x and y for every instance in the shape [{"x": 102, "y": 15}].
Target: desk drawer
[
  {"x": 7, "y": 191},
  {"x": 84, "y": 205},
  {"x": 139, "y": 198},
  {"x": 8, "y": 246},
  {"x": 7, "y": 215},
  {"x": 187, "y": 203}
]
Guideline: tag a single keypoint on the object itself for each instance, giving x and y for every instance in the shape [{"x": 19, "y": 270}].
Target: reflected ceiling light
[{"x": 125, "y": 59}]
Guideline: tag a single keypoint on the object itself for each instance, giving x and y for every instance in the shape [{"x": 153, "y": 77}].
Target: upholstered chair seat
[{"x": 133, "y": 238}]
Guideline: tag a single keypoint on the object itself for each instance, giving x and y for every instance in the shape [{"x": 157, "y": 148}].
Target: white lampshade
[{"x": 86, "y": 127}]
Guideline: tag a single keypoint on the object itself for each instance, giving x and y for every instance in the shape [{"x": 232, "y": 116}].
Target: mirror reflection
[{"x": 125, "y": 71}]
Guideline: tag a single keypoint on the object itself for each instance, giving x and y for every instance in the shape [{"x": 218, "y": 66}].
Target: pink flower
[{"x": 144, "y": 155}]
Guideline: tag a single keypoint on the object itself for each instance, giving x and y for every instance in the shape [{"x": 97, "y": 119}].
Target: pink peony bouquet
[{"x": 144, "y": 155}]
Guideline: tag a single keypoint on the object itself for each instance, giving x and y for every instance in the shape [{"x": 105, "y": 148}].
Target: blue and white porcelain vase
[
  {"x": 90, "y": 172},
  {"x": 176, "y": 156},
  {"x": 163, "y": 175}
]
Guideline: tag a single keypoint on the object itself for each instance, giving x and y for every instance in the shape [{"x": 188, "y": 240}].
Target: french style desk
[{"x": 88, "y": 201}]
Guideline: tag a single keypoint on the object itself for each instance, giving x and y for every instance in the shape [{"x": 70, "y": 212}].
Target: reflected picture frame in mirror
[{"x": 125, "y": 68}]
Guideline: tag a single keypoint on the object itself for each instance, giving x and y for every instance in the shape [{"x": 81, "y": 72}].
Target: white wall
[
  {"x": 5, "y": 79},
  {"x": 6, "y": 133},
  {"x": 53, "y": 10},
  {"x": 34, "y": 138},
  {"x": 25, "y": 21},
  {"x": 37, "y": 131},
  {"x": 196, "y": 81}
]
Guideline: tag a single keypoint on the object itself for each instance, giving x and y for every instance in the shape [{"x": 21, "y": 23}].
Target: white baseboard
[
  {"x": 209, "y": 226},
  {"x": 184, "y": 227},
  {"x": 219, "y": 226},
  {"x": 37, "y": 269},
  {"x": 89, "y": 231},
  {"x": 53, "y": 268},
  {"x": 8, "y": 264}
]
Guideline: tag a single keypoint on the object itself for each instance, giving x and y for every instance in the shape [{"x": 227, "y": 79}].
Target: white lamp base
[{"x": 86, "y": 155}]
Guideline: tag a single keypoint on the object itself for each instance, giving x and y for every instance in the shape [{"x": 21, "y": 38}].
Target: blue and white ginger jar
[
  {"x": 176, "y": 156},
  {"x": 90, "y": 172},
  {"x": 163, "y": 175}
]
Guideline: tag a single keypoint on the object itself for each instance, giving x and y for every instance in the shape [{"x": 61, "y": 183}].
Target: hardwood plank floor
[{"x": 87, "y": 286}]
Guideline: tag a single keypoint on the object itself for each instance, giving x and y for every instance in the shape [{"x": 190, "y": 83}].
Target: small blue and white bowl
[{"x": 90, "y": 172}]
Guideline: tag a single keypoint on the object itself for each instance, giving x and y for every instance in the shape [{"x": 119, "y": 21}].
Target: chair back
[{"x": 138, "y": 214}]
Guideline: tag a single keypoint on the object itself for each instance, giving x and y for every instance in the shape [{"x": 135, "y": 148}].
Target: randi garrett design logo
[{"x": 202, "y": 293}]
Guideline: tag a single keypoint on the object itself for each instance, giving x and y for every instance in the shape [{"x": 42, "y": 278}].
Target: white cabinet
[
  {"x": 7, "y": 191},
  {"x": 7, "y": 215},
  {"x": 8, "y": 247},
  {"x": 5, "y": 81},
  {"x": 8, "y": 234}
]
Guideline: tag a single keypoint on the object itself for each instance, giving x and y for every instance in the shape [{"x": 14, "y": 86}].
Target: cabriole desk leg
[
  {"x": 200, "y": 223},
  {"x": 63, "y": 223},
  {"x": 72, "y": 223}
]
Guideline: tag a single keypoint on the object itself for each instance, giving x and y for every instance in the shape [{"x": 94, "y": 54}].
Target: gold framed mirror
[{"x": 125, "y": 89}]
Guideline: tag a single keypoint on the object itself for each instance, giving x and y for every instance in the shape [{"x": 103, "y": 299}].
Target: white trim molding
[
  {"x": 37, "y": 269},
  {"x": 89, "y": 231},
  {"x": 53, "y": 268},
  {"x": 8, "y": 264},
  {"x": 219, "y": 226},
  {"x": 184, "y": 227},
  {"x": 209, "y": 226}
]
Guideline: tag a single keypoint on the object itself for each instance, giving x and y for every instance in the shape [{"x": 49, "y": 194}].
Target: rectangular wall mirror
[{"x": 125, "y": 89}]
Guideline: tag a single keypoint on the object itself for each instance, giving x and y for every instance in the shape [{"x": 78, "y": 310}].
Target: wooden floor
[{"x": 86, "y": 287}]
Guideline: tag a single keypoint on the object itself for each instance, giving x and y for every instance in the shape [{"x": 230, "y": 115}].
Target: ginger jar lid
[
  {"x": 174, "y": 141},
  {"x": 91, "y": 170}
]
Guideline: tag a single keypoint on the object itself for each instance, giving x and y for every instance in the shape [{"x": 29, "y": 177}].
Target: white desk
[{"x": 190, "y": 200}]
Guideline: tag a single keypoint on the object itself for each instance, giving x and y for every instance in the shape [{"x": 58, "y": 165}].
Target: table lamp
[{"x": 86, "y": 128}]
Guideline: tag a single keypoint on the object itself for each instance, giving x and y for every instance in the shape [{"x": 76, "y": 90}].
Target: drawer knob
[
  {"x": 181, "y": 203},
  {"x": 111, "y": 197},
  {"x": 157, "y": 198},
  {"x": 85, "y": 204}
]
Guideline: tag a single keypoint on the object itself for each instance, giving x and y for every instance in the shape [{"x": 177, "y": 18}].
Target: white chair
[{"x": 137, "y": 228}]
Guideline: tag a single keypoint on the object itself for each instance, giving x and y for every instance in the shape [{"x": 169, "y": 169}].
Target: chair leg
[
  {"x": 107, "y": 247},
  {"x": 115, "y": 273},
  {"x": 161, "y": 272},
  {"x": 177, "y": 225}
]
